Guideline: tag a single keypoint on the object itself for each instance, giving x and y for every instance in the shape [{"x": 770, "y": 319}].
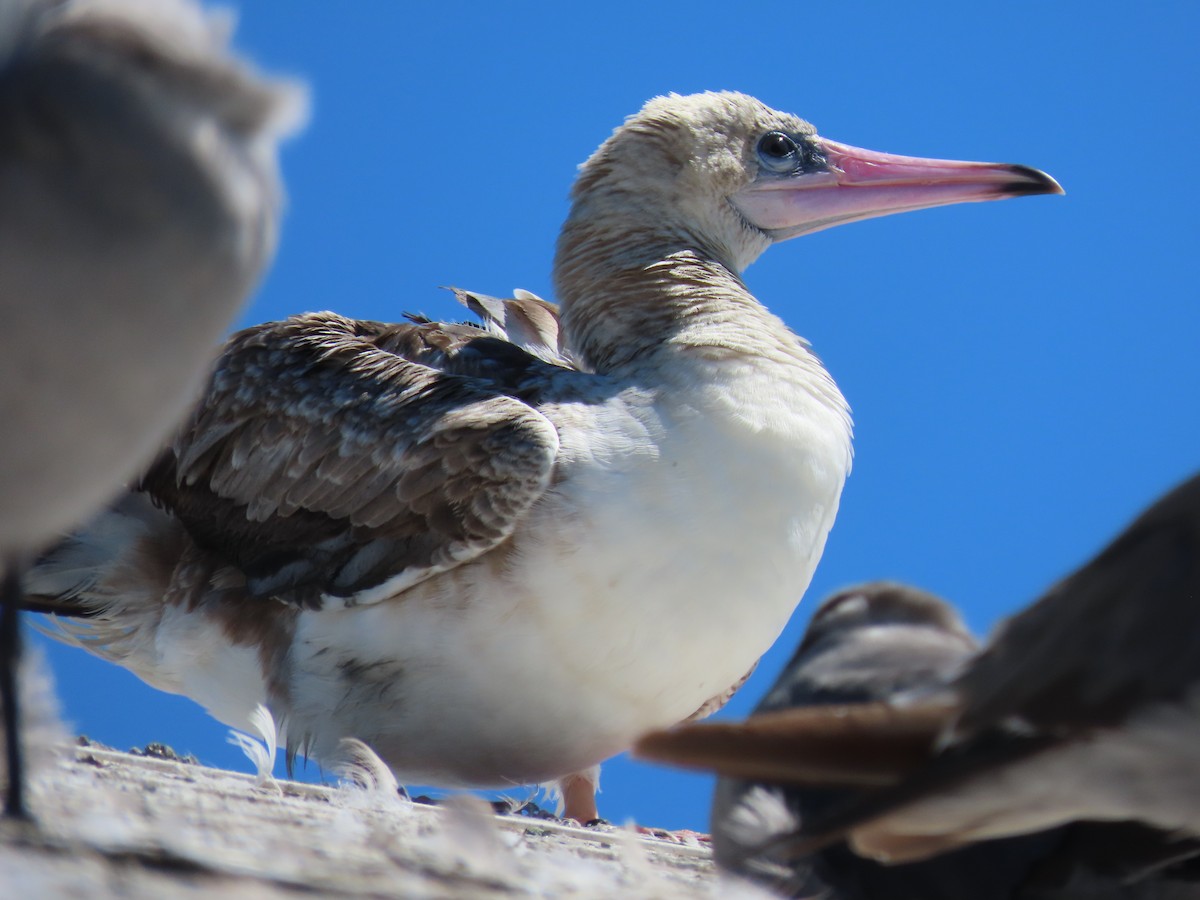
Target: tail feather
[
  {"x": 105, "y": 581},
  {"x": 131, "y": 588}
]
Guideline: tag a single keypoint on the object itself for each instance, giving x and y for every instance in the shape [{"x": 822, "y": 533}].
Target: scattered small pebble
[{"x": 155, "y": 750}]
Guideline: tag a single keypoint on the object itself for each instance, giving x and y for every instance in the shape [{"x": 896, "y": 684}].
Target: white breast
[{"x": 687, "y": 569}]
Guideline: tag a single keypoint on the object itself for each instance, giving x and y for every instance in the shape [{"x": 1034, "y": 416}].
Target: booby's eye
[{"x": 778, "y": 152}]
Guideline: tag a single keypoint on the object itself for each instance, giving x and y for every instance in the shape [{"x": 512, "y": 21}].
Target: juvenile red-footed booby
[
  {"x": 1086, "y": 706},
  {"x": 496, "y": 564},
  {"x": 139, "y": 201}
]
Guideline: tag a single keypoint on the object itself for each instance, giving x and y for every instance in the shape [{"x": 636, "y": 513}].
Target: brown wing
[{"x": 330, "y": 457}]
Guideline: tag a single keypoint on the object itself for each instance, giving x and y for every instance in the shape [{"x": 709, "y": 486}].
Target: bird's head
[{"x": 729, "y": 175}]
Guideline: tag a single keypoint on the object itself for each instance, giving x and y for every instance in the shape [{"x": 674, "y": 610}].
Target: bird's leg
[
  {"x": 579, "y": 795},
  {"x": 10, "y": 658}
]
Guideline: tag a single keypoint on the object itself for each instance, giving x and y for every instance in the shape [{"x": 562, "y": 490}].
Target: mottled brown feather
[{"x": 323, "y": 460}]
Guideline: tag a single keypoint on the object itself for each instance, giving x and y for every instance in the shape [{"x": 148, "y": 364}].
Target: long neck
[{"x": 629, "y": 295}]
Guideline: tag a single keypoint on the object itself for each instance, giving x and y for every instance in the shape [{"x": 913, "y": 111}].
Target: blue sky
[{"x": 1024, "y": 374}]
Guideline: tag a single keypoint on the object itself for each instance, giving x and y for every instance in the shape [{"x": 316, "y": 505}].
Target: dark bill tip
[{"x": 1029, "y": 181}]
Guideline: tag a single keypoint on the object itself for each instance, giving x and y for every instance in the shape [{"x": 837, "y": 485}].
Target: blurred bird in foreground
[
  {"x": 139, "y": 204},
  {"x": 1054, "y": 763}
]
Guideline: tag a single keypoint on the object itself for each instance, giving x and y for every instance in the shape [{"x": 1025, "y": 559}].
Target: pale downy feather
[
  {"x": 259, "y": 749},
  {"x": 365, "y": 780}
]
